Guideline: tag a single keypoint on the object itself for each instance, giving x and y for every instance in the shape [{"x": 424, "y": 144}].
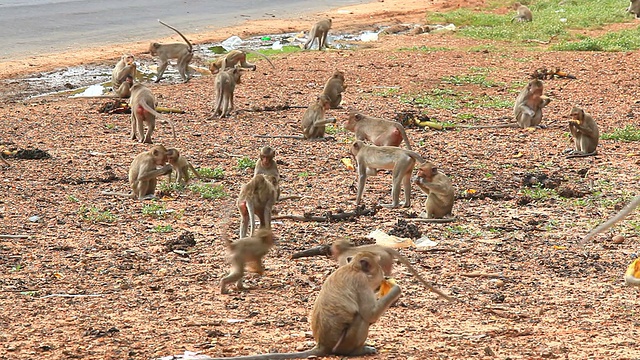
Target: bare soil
[{"x": 554, "y": 299}]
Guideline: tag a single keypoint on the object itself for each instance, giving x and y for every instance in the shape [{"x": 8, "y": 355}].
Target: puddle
[{"x": 95, "y": 80}]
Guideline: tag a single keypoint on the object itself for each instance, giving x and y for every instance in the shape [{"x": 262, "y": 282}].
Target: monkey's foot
[
  {"x": 366, "y": 350},
  {"x": 148, "y": 197},
  {"x": 390, "y": 206}
]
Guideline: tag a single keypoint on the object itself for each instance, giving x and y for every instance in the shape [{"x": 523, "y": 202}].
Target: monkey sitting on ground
[
  {"x": 634, "y": 203},
  {"x": 181, "y": 166},
  {"x": 524, "y": 14},
  {"x": 380, "y": 132},
  {"x": 342, "y": 250},
  {"x": 226, "y": 81},
  {"x": 142, "y": 104},
  {"x": 634, "y": 8},
  {"x": 334, "y": 88},
  {"x": 124, "y": 90},
  {"x": 440, "y": 194},
  {"x": 236, "y": 57},
  {"x": 529, "y": 103},
  {"x": 313, "y": 122},
  {"x": 257, "y": 197},
  {"x": 401, "y": 161},
  {"x": 585, "y": 133},
  {"x": 343, "y": 311},
  {"x": 183, "y": 53},
  {"x": 319, "y": 31},
  {"x": 247, "y": 250},
  {"x": 143, "y": 173},
  {"x": 125, "y": 67}
]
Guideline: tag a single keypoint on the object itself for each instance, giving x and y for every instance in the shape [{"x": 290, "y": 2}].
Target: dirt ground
[{"x": 139, "y": 299}]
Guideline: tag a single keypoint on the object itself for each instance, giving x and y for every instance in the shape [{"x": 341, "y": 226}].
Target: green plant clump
[
  {"x": 627, "y": 133},
  {"x": 94, "y": 214},
  {"x": 208, "y": 191},
  {"x": 246, "y": 163}
]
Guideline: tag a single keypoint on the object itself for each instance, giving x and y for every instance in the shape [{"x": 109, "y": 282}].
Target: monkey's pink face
[
  {"x": 265, "y": 160},
  {"x": 350, "y": 124}
]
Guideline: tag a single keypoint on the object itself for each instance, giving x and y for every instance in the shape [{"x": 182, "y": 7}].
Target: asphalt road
[{"x": 32, "y": 27}]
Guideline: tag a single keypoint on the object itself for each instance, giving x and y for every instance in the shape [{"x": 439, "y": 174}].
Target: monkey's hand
[
  {"x": 166, "y": 169},
  {"x": 417, "y": 180}
]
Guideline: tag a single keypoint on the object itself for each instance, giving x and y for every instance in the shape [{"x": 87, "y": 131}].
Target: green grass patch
[
  {"x": 246, "y": 163},
  {"x": 450, "y": 100},
  {"x": 477, "y": 79},
  {"x": 209, "y": 173},
  {"x": 627, "y": 133},
  {"x": 623, "y": 40},
  {"x": 208, "y": 191},
  {"x": 162, "y": 228},
  {"x": 424, "y": 48},
  {"x": 156, "y": 210},
  {"x": 272, "y": 52},
  {"x": 168, "y": 187},
  {"x": 550, "y": 20},
  {"x": 93, "y": 214},
  {"x": 539, "y": 193},
  {"x": 386, "y": 92}
]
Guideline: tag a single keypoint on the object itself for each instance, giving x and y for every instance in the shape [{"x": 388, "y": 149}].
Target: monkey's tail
[
  {"x": 634, "y": 203},
  {"x": 314, "y": 251},
  {"x": 179, "y": 33},
  {"x": 263, "y": 55},
  {"x": 159, "y": 116}
]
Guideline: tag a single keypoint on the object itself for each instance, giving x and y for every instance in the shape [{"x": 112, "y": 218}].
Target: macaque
[
  {"x": 183, "y": 53},
  {"x": 634, "y": 8},
  {"x": 265, "y": 164},
  {"x": 319, "y": 31},
  {"x": 524, "y": 14},
  {"x": 440, "y": 193},
  {"x": 334, "y": 88},
  {"x": 225, "y": 86},
  {"x": 343, "y": 311},
  {"x": 144, "y": 171},
  {"x": 401, "y": 161},
  {"x": 529, "y": 104},
  {"x": 247, "y": 250},
  {"x": 181, "y": 166},
  {"x": 380, "y": 132},
  {"x": 124, "y": 90},
  {"x": 235, "y": 57},
  {"x": 142, "y": 104},
  {"x": 635, "y": 202},
  {"x": 585, "y": 133},
  {"x": 257, "y": 198},
  {"x": 124, "y": 68},
  {"x": 313, "y": 120}
]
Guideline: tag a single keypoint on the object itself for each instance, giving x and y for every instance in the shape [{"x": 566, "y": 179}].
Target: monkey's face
[
  {"x": 427, "y": 172},
  {"x": 265, "y": 160}
]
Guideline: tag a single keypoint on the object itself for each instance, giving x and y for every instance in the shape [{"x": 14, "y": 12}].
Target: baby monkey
[
  {"x": 334, "y": 88},
  {"x": 585, "y": 133},
  {"x": 181, "y": 166},
  {"x": 246, "y": 251},
  {"x": 440, "y": 194},
  {"x": 523, "y": 15}
]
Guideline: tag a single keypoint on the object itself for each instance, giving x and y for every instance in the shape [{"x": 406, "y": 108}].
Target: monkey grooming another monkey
[
  {"x": 257, "y": 198},
  {"x": 401, "y": 161},
  {"x": 634, "y": 203},
  {"x": 181, "y": 166},
  {"x": 585, "y": 133},
  {"x": 246, "y": 250},
  {"x": 334, "y": 88},
  {"x": 125, "y": 67},
  {"x": 226, "y": 81},
  {"x": 143, "y": 173},
  {"x": 313, "y": 120},
  {"x": 319, "y": 31},
  {"x": 343, "y": 311},
  {"x": 524, "y": 14},
  {"x": 142, "y": 104},
  {"x": 440, "y": 194},
  {"x": 380, "y": 132},
  {"x": 183, "y": 53},
  {"x": 235, "y": 57},
  {"x": 529, "y": 103},
  {"x": 634, "y": 8}
]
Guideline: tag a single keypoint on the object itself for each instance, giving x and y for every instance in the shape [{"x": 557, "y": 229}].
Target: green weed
[
  {"x": 627, "y": 133},
  {"x": 246, "y": 163},
  {"x": 208, "y": 191},
  {"x": 94, "y": 214}
]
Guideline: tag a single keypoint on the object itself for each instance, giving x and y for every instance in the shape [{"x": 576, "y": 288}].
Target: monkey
[
  {"x": 246, "y": 250},
  {"x": 319, "y": 31},
  {"x": 440, "y": 194},
  {"x": 585, "y": 133},
  {"x": 524, "y": 14},
  {"x": 142, "y": 104},
  {"x": 343, "y": 311},
  {"x": 124, "y": 90},
  {"x": 234, "y": 57},
  {"x": 182, "y": 52},
  {"x": 401, "y": 161},
  {"x": 529, "y": 103},
  {"x": 265, "y": 164},
  {"x": 380, "y": 132},
  {"x": 334, "y": 88},
  {"x": 314, "y": 121},
  {"x": 635, "y": 202},
  {"x": 257, "y": 198},
  {"x": 181, "y": 166},
  {"x": 634, "y": 8},
  {"x": 225, "y": 86},
  {"x": 124, "y": 68},
  {"x": 143, "y": 173}
]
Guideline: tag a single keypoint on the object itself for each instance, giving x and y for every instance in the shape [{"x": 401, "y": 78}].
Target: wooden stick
[{"x": 5, "y": 236}]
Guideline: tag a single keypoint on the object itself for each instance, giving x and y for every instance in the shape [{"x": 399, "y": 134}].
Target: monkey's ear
[
  {"x": 359, "y": 117},
  {"x": 434, "y": 170},
  {"x": 365, "y": 265},
  {"x": 349, "y": 258}
]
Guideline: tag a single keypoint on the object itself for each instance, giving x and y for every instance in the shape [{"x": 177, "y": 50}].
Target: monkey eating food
[
  {"x": 440, "y": 194},
  {"x": 585, "y": 133},
  {"x": 401, "y": 161},
  {"x": 183, "y": 53},
  {"x": 529, "y": 103},
  {"x": 124, "y": 68}
]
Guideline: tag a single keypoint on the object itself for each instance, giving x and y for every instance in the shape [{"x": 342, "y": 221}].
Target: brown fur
[
  {"x": 439, "y": 190},
  {"x": 257, "y": 197},
  {"x": 313, "y": 120},
  {"x": 380, "y": 132},
  {"x": 247, "y": 250},
  {"x": 334, "y": 88},
  {"x": 225, "y": 86},
  {"x": 529, "y": 103},
  {"x": 585, "y": 133},
  {"x": 319, "y": 31}
]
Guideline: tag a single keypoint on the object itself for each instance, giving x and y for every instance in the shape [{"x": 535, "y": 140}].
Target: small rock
[
  {"x": 618, "y": 239},
  {"x": 35, "y": 218}
]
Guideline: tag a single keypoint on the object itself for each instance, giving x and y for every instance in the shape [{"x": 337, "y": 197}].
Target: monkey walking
[
  {"x": 183, "y": 53},
  {"x": 380, "y": 132},
  {"x": 181, "y": 166},
  {"x": 257, "y": 197},
  {"x": 225, "y": 85},
  {"x": 247, "y": 250},
  {"x": 523, "y": 13},
  {"x": 142, "y": 104},
  {"x": 319, "y": 31},
  {"x": 236, "y": 57},
  {"x": 585, "y": 133},
  {"x": 313, "y": 123}
]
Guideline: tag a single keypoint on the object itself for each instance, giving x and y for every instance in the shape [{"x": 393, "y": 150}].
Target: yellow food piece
[
  {"x": 634, "y": 269},
  {"x": 386, "y": 286},
  {"x": 347, "y": 162}
]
